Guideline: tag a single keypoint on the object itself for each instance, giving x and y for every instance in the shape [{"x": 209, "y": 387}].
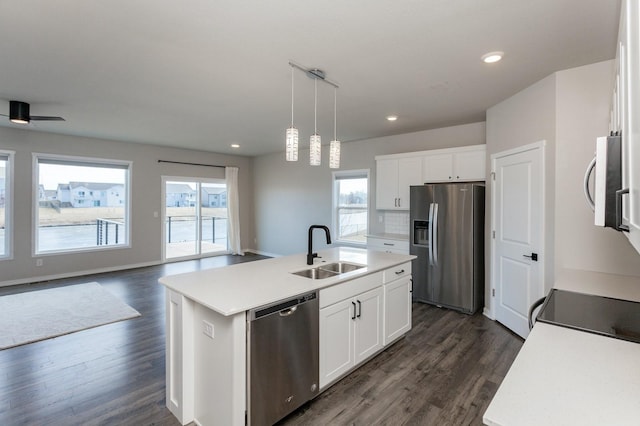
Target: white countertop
[
  {"x": 568, "y": 377},
  {"x": 241, "y": 287}
]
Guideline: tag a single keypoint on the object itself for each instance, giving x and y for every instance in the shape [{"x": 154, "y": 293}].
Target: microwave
[{"x": 606, "y": 201}]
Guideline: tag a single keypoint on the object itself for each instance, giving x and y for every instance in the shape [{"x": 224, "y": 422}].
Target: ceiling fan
[{"x": 19, "y": 113}]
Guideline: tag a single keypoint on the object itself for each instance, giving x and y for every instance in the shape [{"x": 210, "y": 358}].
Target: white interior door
[{"x": 518, "y": 241}]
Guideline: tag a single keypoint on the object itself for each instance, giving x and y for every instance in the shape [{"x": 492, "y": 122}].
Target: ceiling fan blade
[{"x": 45, "y": 118}]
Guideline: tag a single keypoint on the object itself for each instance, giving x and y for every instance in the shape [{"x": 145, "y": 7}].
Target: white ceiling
[{"x": 207, "y": 73}]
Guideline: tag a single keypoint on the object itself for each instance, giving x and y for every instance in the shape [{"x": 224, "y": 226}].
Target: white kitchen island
[{"x": 206, "y": 323}]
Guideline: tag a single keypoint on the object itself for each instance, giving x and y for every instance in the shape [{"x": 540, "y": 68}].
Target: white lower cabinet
[
  {"x": 350, "y": 332},
  {"x": 397, "y": 309},
  {"x": 359, "y": 318}
]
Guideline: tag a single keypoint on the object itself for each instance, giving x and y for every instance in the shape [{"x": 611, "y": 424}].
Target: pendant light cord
[
  {"x": 315, "y": 106},
  {"x": 292, "y": 70},
  {"x": 335, "y": 107}
]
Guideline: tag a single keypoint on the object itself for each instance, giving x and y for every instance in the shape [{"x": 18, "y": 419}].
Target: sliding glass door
[{"x": 195, "y": 218}]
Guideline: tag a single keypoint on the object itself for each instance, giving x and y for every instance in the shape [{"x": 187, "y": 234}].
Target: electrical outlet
[
  {"x": 207, "y": 328},
  {"x": 38, "y": 262}
]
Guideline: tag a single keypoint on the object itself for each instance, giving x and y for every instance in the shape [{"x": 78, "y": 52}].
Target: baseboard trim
[
  {"x": 487, "y": 313},
  {"x": 41, "y": 278}
]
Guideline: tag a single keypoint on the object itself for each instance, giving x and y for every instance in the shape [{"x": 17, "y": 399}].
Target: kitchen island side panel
[{"x": 220, "y": 366}]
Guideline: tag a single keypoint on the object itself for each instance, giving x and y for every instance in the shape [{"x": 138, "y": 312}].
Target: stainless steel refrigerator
[{"x": 447, "y": 235}]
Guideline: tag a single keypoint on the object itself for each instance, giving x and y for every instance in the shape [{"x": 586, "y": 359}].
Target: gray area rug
[{"x": 43, "y": 314}]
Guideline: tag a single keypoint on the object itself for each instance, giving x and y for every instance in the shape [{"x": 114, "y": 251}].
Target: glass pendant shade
[
  {"x": 334, "y": 154},
  {"x": 291, "y": 136},
  {"x": 315, "y": 150},
  {"x": 292, "y": 144}
]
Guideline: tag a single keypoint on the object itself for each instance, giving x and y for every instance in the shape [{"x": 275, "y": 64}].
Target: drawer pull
[
  {"x": 388, "y": 244},
  {"x": 400, "y": 272}
]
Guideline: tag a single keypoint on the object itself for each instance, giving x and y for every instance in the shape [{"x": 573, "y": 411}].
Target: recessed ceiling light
[
  {"x": 491, "y": 57},
  {"x": 235, "y": 145},
  {"x": 392, "y": 117}
]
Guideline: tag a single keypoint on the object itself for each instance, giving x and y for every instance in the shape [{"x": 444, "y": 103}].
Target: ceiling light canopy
[
  {"x": 315, "y": 141},
  {"x": 491, "y": 57}
]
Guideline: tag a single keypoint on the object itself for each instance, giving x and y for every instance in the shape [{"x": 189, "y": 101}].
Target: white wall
[
  {"x": 289, "y": 197},
  {"x": 527, "y": 117},
  {"x": 568, "y": 109},
  {"x": 583, "y": 96},
  {"x": 146, "y": 242}
]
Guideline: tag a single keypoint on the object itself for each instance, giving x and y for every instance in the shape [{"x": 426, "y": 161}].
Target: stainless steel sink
[
  {"x": 329, "y": 270},
  {"x": 341, "y": 267},
  {"x": 315, "y": 273}
]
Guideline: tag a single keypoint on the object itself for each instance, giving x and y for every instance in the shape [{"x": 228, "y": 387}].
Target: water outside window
[
  {"x": 352, "y": 208},
  {"x": 195, "y": 218},
  {"x": 81, "y": 205}
]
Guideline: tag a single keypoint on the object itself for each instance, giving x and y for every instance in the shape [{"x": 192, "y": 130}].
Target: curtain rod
[{"x": 193, "y": 164}]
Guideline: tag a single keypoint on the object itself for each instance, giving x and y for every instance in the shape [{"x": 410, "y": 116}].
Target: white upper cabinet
[
  {"x": 394, "y": 176},
  {"x": 626, "y": 113},
  {"x": 455, "y": 164},
  {"x": 396, "y": 173}
]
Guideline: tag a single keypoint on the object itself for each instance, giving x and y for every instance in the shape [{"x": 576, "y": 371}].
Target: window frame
[
  {"x": 73, "y": 160},
  {"x": 335, "y": 178},
  {"x": 8, "y": 204}
]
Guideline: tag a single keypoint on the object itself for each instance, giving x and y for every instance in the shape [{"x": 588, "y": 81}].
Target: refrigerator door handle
[
  {"x": 434, "y": 247},
  {"x": 430, "y": 234}
]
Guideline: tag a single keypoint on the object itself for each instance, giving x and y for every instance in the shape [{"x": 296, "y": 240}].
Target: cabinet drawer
[
  {"x": 396, "y": 272},
  {"x": 347, "y": 289},
  {"x": 387, "y": 245}
]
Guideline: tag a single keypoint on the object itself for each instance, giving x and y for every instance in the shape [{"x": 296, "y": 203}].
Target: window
[
  {"x": 6, "y": 184},
  {"x": 75, "y": 213},
  {"x": 351, "y": 206}
]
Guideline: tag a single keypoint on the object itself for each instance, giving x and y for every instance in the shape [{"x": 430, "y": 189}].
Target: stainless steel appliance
[
  {"x": 608, "y": 192},
  {"x": 605, "y": 316},
  {"x": 282, "y": 359},
  {"x": 447, "y": 235}
]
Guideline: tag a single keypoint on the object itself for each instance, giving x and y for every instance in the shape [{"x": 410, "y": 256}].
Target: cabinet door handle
[
  {"x": 354, "y": 311},
  {"x": 398, "y": 202},
  {"x": 619, "y": 212},
  {"x": 359, "y": 309},
  {"x": 401, "y": 271}
]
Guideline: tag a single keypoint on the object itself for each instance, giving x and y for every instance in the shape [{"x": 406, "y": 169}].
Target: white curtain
[{"x": 233, "y": 210}]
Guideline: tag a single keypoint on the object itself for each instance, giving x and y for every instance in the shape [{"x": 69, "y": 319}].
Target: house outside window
[
  {"x": 90, "y": 208},
  {"x": 6, "y": 203},
  {"x": 351, "y": 206}
]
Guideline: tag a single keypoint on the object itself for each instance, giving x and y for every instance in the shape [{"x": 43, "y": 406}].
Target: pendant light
[
  {"x": 291, "y": 138},
  {"x": 315, "y": 144},
  {"x": 334, "y": 145}
]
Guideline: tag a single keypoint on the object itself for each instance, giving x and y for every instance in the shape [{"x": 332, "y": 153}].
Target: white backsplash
[{"x": 396, "y": 222}]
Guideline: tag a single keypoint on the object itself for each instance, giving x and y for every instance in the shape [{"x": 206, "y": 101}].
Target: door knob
[{"x": 532, "y": 256}]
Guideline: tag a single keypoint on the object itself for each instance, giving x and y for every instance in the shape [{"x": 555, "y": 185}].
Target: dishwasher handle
[
  {"x": 282, "y": 308},
  {"x": 287, "y": 312}
]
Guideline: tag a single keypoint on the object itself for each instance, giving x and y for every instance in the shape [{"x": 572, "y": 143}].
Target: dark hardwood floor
[{"x": 445, "y": 371}]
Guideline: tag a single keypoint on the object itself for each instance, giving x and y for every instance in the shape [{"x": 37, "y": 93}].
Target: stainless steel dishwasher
[{"x": 282, "y": 358}]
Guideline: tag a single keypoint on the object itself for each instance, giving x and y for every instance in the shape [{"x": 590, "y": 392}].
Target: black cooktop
[{"x": 595, "y": 314}]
